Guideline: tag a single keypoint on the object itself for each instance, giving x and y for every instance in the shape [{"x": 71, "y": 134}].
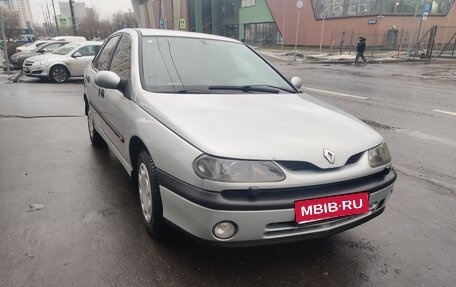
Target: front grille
[
  {"x": 298, "y": 165},
  {"x": 28, "y": 63},
  {"x": 280, "y": 229},
  {"x": 307, "y": 166},
  {"x": 354, "y": 158}
]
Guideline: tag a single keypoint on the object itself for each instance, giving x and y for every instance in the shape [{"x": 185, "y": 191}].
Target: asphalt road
[{"x": 90, "y": 231}]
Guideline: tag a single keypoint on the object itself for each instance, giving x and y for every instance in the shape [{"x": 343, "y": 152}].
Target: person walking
[{"x": 360, "y": 48}]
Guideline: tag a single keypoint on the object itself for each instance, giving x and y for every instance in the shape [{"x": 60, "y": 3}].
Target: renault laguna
[{"x": 224, "y": 148}]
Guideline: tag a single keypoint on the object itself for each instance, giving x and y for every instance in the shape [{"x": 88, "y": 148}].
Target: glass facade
[
  {"x": 353, "y": 8},
  {"x": 247, "y": 3},
  {"x": 262, "y": 33},
  {"x": 229, "y": 18}
]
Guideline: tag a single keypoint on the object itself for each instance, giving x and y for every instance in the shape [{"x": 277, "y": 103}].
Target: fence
[{"x": 435, "y": 42}]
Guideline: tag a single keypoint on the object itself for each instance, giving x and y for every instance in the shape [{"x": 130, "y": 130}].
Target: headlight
[
  {"x": 39, "y": 63},
  {"x": 379, "y": 155},
  {"x": 233, "y": 170}
]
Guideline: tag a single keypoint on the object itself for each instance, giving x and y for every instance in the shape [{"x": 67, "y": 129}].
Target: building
[
  {"x": 5, "y": 4},
  {"x": 22, "y": 7},
  {"x": 79, "y": 10},
  {"x": 385, "y": 23}
]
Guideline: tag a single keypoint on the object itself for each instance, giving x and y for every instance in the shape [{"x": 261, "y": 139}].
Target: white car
[
  {"x": 68, "y": 61},
  {"x": 225, "y": 148},
  {"x": 30, "y": 46}
]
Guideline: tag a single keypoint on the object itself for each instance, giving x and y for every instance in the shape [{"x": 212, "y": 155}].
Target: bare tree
[{"x": 11, "y": 23}]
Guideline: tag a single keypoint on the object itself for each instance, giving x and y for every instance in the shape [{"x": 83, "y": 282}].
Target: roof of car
[{"x": 173, "y": 33}]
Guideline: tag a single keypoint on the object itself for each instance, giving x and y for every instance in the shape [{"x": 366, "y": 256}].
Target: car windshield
[
  {"x": 180, "y": 65},
  {"x": 66, "y": 49}
]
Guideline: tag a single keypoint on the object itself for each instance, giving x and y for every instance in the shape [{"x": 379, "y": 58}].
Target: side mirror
[
  {"x": 107, "y": 80},
  {"x": 42, "y": 51},
  {"x": 297, "y": 82},
  {"x": 76, "y": 55}
]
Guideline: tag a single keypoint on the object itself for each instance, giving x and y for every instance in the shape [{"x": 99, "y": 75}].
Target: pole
[
  {"x": 283, "y": 21},
  {"x": 414, "y": 23},
  {"x": 5, "y": 50},
  {"x": 55, "y": 16},
  {"x": 297, "y": 32},
  {"x": 73, "y": 21},
  {"x": 322, "y": 28}
]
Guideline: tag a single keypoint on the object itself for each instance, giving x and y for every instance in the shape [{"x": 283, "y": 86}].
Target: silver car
[
  {"x": 224, "y": 148},
  {"x": 68, "y": 61}
]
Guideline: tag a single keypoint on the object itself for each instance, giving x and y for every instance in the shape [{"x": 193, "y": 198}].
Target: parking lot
[{"x": 69, "y": 214}]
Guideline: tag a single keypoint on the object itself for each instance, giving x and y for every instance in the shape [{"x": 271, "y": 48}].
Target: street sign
[
  {"x": 426, "y": 7},
  {"x": 372, "y": 21},
  {"x": 181, "y": 23},
  {"x": 63, "y": 21},
  {"x": 299, "y": 4}
]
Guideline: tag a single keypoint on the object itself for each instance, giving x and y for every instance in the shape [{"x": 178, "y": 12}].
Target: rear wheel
[
  {"x": 149, "y": 195},
  {"x": 59, "y": 74}
]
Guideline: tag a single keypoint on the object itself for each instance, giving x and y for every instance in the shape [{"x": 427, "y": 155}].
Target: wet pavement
[{"x": 69, "y": 214}]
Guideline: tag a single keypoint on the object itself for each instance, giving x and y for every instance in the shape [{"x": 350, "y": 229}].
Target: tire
[
  {"x": 94, "y": 136},
  {"x": 59, "y": 74},
  {"x": 149, "y": 195}
]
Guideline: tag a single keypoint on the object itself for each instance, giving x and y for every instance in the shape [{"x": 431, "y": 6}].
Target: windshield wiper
[
  {"x": 192, "y": 91},
  {"x": 249, "y": 88},
  {"x": 276, "y": 87}
]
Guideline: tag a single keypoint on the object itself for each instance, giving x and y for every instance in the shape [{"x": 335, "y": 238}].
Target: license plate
[{"x": 331, "y": 207}]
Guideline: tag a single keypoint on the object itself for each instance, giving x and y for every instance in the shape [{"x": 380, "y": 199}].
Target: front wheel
[
  {"x": 59, "y": 74},
  {"x": 149, "y": 195}
]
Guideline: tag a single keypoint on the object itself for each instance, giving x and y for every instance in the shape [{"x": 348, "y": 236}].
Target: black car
[{"x": 17, "y": 59}]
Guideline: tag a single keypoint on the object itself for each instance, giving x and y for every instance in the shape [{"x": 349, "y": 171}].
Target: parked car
[
  {"x": 67, "y": 61},
  {"x": 17, "y": 59},
  {"x": 30, "y": 46},
  {"x": 70, "y": 39},
  {"x": 224, "y": 147}
]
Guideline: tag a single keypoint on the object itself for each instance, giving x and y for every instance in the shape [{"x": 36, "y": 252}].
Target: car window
[
  {"x": 167, "y": 66},
  {"x": 88, "y": 50},
  {"x": 66, "y": 49},
  {"x": 102, "y": 61},
  {"x": 120, "y": 63},
  {"x": 50, "y": 47}
]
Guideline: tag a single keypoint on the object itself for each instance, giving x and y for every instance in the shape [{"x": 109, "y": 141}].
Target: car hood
[
  {"x": 25, "y": 54},
  {"x": 295, "y": 127},
  {"x": 45, "y": 57}
]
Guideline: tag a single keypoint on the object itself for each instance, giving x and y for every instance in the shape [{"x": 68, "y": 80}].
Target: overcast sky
[{"x": 104, "y": 8}]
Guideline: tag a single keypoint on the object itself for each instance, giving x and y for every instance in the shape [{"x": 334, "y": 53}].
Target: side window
[
  {"x": 88, "y": 50},
  {"x": 102, "y": 61},
  {"x": 51, "y": 47},
  {"x": 120, "y": 63}
]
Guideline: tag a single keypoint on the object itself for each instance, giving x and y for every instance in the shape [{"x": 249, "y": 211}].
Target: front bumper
[
  {"x": 268, "y": 216},
  {"x": 35, "y": 71}
]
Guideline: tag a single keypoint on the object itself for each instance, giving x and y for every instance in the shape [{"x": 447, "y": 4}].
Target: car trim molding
[{"x": 108, "y": 123}]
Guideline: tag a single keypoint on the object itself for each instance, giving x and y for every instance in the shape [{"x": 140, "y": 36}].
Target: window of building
[
  {"x": 247, "y": 3},
  {"x": 353, "y": 8},
  {"x": 262, "y": 33}
]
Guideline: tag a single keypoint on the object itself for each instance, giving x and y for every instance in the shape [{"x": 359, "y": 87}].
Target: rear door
[{"x": 79, "y": 63}]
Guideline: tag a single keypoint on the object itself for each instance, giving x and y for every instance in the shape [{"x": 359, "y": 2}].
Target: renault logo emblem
[{"x": 329, "y": 155}]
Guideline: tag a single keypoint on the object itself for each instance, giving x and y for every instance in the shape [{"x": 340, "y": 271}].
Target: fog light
[{"x": 224, "y": 230}]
